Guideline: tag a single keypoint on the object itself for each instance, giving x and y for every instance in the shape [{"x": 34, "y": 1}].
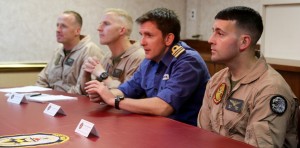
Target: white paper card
[
  {"x": 47, "y": 97},
  {"x": 25, "y": 89},
  {"x": 53, "y": 109},
  {"x": 85, "y": 128},
  {"x": 16, "y": 98}
]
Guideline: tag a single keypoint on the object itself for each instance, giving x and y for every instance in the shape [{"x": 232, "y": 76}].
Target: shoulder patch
[
  {"x": 219, "y": 93},
  {"x": 278, "y": 104},
  {"x": 177, "y": 50}
]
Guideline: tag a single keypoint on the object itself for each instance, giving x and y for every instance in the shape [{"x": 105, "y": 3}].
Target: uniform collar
[
  {"x": 259, "y": 69},
  {"x": 168, "y": 57},
  {"x": 81, "y": 43},
  {"x": 128, "y": 51}
]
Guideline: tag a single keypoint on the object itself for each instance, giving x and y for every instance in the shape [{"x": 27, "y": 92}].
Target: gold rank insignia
[
  {"x": 219, "y": 93},
  {"x": 177, "y": 50}
]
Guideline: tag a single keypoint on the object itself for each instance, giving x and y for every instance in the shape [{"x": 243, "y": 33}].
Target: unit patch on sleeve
[
  {"x": 234, "y": 105},
  {"x": 278, "y": 104},
  {"x": 219, "y": 93},
  {"x": 30, "y": 140}
]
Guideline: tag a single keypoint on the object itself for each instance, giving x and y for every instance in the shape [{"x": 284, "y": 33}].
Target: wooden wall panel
[{"x": 290, "y": 73}]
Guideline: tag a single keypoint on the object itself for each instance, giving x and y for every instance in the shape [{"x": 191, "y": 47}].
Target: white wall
[
  {"x": 206, "y": 11},
  {"x": 281, "y": 35},
  {"x": 28, "y": 27}
]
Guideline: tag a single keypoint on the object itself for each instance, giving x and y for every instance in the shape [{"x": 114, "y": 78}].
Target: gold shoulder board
[{"x": 177, "y": 50}]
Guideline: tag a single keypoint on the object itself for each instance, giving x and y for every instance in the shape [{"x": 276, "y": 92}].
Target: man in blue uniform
[{"x": 171, "y": 80}]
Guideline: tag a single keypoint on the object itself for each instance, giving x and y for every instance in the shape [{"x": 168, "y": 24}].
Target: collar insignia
[{"x": 219, "y": 93}]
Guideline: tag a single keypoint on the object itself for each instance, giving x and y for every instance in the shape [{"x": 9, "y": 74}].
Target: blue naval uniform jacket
[{"x": 180, "y": 82}]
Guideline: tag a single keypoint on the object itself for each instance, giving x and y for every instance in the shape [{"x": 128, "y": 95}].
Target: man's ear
[
  {"x": 122, "y": 30},
  {"x": 169, "y": 39},
  {"x": 245, "y": 42},
  {"x": 78, "y": 30}
]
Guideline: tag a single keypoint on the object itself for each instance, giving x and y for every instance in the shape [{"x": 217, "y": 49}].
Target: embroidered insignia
[
  {"x": 234, "y": 105},
  {"x": 117, "y": 73},
  {"x": 177, "y": 50},
  {"x": 57, "y": 60},
  {"x": 38, "y": 139},
  {"x": 278, "y": 104},
  {"x": 69, "y": 61},
  {"x": 166, "y": 77},
  {"x": 219, "y": 93}
]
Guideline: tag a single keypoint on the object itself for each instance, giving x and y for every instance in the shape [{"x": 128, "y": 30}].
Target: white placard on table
[
  {"x": 53, "y": 109},
  {"x": 86, "y": 128},
  {"x": 16, "y": 98}
]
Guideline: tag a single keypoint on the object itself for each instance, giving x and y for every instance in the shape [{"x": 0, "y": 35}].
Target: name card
[
  {"x": 53, "y": 109},
  {"x": 16, "y": 98},
  {"x": 86, "y": 128}
]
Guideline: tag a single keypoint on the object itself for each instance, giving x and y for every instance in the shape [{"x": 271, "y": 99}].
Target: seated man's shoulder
[{"x": 139, "y": 52}]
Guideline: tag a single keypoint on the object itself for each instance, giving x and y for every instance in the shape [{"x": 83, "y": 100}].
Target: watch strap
[
  {"x": 103, "y": 76},
  {"x": 118, "y": 99}
]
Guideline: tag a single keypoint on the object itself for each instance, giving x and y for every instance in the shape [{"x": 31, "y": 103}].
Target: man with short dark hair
[
  {"x": 169, "y": 82},
  {"x": 247, "y": 101}
]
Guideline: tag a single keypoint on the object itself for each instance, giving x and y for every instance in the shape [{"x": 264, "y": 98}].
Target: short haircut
[
  {"x": 77, "y": 16},
  {"x": 246, "y": 19},
  {"x": 166, "y": 20},
  {"x": 125, "y": 18}
]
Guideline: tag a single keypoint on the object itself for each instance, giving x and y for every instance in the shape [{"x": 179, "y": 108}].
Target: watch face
[
  {"x": 120, "y": 98},
  {"x": 104, "y": 75}
]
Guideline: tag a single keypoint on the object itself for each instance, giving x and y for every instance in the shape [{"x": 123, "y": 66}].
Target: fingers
[
  {"x": 94, "y": 86},
  {"x": 96, "y": 59},
  {"x": 98, "y": 69},
  {"x": 95, "y": 98},
  {"x": 90, "y": 64}
]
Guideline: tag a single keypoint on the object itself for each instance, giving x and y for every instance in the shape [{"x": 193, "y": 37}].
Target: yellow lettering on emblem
[
  {"x": 177, "y": 50},
  {"x": 219, "y": 93}
]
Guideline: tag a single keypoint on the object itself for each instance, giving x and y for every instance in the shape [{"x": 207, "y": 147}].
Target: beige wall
[
  {"x": 28, "y": 27},
  {"x": 12, "y": 79},
  {"x": 15, "y": 32}
]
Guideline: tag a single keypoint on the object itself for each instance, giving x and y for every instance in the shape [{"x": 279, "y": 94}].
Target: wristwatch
[
  {"x": 103, "y": 76},
  {"x": 118, "y": 99}
]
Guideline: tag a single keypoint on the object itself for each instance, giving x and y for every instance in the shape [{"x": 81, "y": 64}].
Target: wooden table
[{"x": 116, "y": 128}]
